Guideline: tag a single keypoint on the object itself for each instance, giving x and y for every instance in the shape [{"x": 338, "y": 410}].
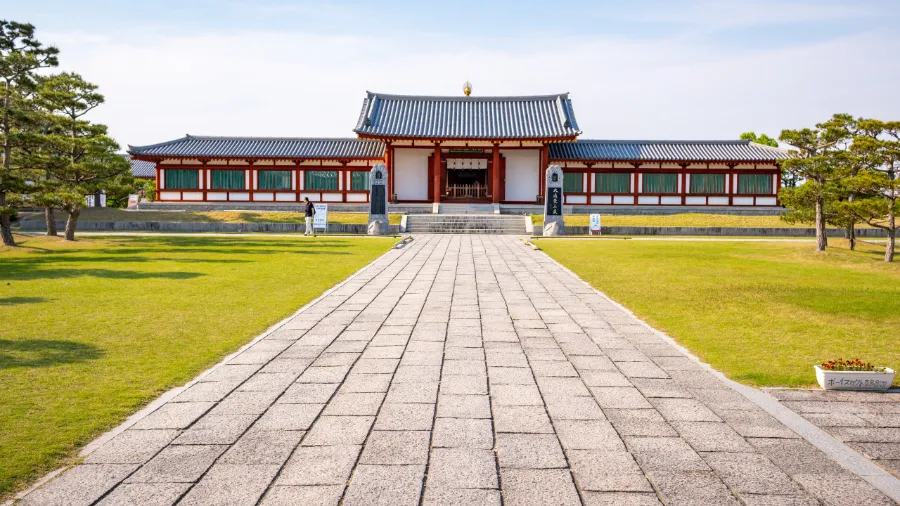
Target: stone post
[
  {"x": 553, "y": 203},
  {"x": 378, "y": 199}
]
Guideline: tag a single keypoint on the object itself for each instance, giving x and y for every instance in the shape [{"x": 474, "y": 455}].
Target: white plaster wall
[
  {"x": 264, "y": 197},
  {"x": 743, "y": 201},
  {"x": 765, "y": 201},
  {"x": 623, "y": 199},
  {"x": 331, "y": 197},
  {"x": 356, "y": 197},
  {"x": 411, "y": 173},
  {"x": 672, "y": 200},
  {"x": 521, "y": 173},
  {"x": 238, "y": 196},
  {"x": 217, "y": 196},
  {"x": 191, "y": 195},
  {"x": 648, "y": 200},
  {"x": 576, "y": 199},
  {"x": 718, "y": 201},
  {"x": 170, "y": 195},
  {"x": 285, "y": 197},
  {"x": 695, "y": 201},
  {"x": 601, "y": 199}
]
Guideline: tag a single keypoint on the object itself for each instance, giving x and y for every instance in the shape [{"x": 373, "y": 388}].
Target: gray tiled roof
[
  {"x": 141, "y": 168},
  {"x": 400, "y": 116},
  {"x": 264, "y": 147},
  {"x": 678, "y": 151}
]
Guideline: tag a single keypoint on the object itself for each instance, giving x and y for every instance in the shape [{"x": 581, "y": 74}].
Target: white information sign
[
  {"x": 595, "y": 224},
  {"x": 133, "y": 200},
  {"x": 320, "y": 220}
]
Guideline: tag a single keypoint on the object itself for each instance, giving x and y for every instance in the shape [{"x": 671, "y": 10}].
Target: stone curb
[{"x": 880, "y": 479}]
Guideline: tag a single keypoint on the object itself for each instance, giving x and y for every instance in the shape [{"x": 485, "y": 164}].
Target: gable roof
[
  {"x": 420, "y": 117},
  {"x": 675, "y": 151},
  {"x": 141, "y": 168},
  {"x": 263, "y": 147}
]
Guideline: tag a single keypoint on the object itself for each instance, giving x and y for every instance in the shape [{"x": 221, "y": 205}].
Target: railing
[{"x": 467, "y": 191}]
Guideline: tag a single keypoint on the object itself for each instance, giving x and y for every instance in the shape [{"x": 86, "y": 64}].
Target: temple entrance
[{"x": 467, "y": 179}]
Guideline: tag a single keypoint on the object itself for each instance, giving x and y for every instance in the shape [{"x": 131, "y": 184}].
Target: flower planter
[{"x": 854, "y": 380}]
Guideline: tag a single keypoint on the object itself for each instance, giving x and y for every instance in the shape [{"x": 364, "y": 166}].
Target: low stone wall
[
  {"x": 721, "y": 231},
  {"x": 176, "y": 226}
]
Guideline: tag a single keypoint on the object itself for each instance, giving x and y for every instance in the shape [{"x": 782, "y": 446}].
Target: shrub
[{"x": 850, "y": 365}]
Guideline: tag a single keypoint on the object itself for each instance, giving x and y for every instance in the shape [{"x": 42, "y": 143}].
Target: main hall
[{"x": 465, "y": 149}]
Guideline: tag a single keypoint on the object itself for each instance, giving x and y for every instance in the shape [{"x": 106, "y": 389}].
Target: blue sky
[{"x": 640, "y": 69}]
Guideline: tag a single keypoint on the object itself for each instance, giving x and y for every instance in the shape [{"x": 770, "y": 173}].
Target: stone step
[{"x": 466, "y": 224}]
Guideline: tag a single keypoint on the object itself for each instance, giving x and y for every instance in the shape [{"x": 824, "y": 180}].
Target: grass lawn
[
  {"x": 110, "y": 214},
  {"x": 761, "y": 312},
  {"x": 93, "y": 330},
  {"x": 677, "y": 220}
]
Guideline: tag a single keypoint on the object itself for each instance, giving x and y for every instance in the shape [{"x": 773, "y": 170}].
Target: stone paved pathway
[
  {"x": 459, "y": 370},
  {"x": 868, "y": 422}
]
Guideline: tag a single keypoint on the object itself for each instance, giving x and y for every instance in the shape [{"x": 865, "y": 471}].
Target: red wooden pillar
[
  {"x": 495, "y": 175},
  {"x": 542, "y": 170},
  {"x": 778, "y": 187},
  {"x": 389, "y": 163},
  {"x": 437, "y": 173}
]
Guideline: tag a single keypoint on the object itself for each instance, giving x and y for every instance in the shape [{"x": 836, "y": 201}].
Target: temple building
[{"x": 490, "y": 150}]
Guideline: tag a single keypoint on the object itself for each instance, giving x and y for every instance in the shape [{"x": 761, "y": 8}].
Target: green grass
[
  {"x": 762, "y": 313},
  {"x": 110, "y": 214},
  {"x": 677, "y": 220},
  {"x": 93, "y": 330}
]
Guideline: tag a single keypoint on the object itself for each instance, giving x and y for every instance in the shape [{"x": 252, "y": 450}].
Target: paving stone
[
  {"x": 365, "y": 383},
  {"x": 529, "y": 451},
  {"x": 655, "y": 454},
  {"x": 718, "y": 399},
  {"x": 866, "y": 435},
  {"x": 405, "y": 417},
  {"x": 553, "y": 369},
  {"x": 246, "y": 403},
  {"x": 712, "y": 437},
  {"x": 684, "y": 410},
  {"x": 145, "y": 494},
  {"x": 620, "y": 499},
  {"x": 277, "y": 382},
  {"x": 660, "y": 388},
  {"x": 641, "y": 370},
  {"x": 237, "y": 484},
  {"x": 510, "y": 376},
  {"x": 339, "y": 430},
  {"x": 620, "y": 398},
  {"x": 692, "y": 488},
  {"x": 81, "y": 485},
  {"x": 778, "y": 500},
  {"x": 216, "y": 430},
  {"x": 889, "y": 451},
  {"x": 639, "y": 422},
  {"x": 592, "y": 363},
  {"x": 132, "y": 447},
  {"x": 516, "y": 395},
  {"x": 462, "y": 468},
  {"x": 385, "y": 486},
  {"x": 396, "y": 448},
  {"x": 333, "y": 374},
  {"x": 601, "y": 470},
  {"x": 319, "y": 465},
  {"x": 462, "y": 433},
  {"x": 588, "y": 435},
  {"x": 417, "y": 374},
  {"x": 538, "y": 487},
  {"x": 178, "y": 463},
  {"x": 289, "y": 365},
  {"x": 260, "y": 447},
  {"x": 412, "y": 393},
  {"x": 879, "y": 419},
  {"x": 205, "y": 392},
  {"x": 320, "y": 495},
  {"x": 836, "y": 420},
  {"x": 842, "y": 490},
  {"x": 796, "y": 456},
  {"x": 463, "y": 406},
  {"x": 354, "y": 404},
  {"x": 460, "y": 497},
  {"x": 574, "y": 408},
  {"x": 514, "y": 359},
  {"x": 289, "y": 417},
  {"x": 559, "y": 387},
  {"x": 308, "y": 393},
  {"x": 750, "y": 473},
  {"x": 756, "y": 423},
  {"x": 174, "y": 415},
  {"x": 522, "y": 419},
  {"x": 463, "y": 385}
]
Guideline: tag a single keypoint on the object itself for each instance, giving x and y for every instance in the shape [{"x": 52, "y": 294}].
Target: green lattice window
[
  {"x": 227, "y": 179},
  {"x": 754, "y": 183},
  {"x": 707, "y": 184},
  {"x": 612, "y": 183},
  {"x": 573, "y": 182},
  {"x": 182, "y": 179},
  {"x": 321, "y": 180},
  {"x": 273, "y": 180},
  {"x": 359, "y": 181},
  {"x": 660, "y": 183}
]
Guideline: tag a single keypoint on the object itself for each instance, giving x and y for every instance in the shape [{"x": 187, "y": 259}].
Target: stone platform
[{"x": 464, "y": 370}]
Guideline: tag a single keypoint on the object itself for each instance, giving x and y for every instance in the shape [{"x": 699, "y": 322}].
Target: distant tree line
[
  {"x": 53, "y": 156},
  {"x": 845, "y": 171}
]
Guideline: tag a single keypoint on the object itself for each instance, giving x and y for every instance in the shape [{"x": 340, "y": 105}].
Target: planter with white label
[{"x": 855, "y": 380}]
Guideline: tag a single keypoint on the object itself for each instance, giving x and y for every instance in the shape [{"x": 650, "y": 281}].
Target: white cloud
[{"x": 160, "y": 86}]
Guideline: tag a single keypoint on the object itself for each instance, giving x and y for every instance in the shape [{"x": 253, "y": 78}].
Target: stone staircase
[{"x": 465, "y": 224}]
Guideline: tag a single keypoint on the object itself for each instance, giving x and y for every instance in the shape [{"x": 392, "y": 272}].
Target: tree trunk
[
  {"x": 851, "y": 235},
  {"x": 71, "y": 223},
  {"x": 5, "y": 223},
  {"x": 821, "y": 240},
  {"x": 892, "y": 233},
  {"x": 50, "y": 218}
]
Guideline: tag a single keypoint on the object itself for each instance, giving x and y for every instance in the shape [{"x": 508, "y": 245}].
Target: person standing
[{"x": 310, "y": 213}]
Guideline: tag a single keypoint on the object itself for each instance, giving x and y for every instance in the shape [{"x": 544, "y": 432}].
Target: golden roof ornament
[{"x": 467, "y": 88}]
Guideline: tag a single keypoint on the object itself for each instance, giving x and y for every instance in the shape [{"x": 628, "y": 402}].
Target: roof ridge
[
  {"x": 506, "y": 98},
  {"x": 267, "y": 138},
  {"x": 627, "y": 141}
]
